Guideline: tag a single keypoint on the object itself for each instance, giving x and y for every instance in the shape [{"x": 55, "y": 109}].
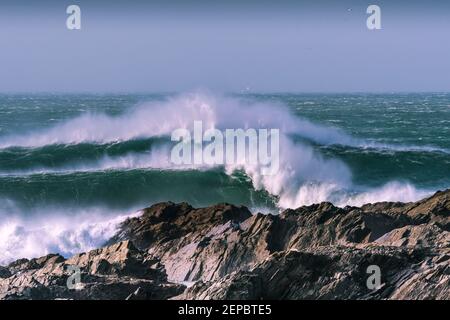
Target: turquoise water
[
  {"x": 409, "y": 120},
  {"x": 97, "y": 156},
  {"x": 416, "y": 127}
]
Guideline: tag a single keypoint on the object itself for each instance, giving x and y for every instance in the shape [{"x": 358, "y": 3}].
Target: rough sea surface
[{"x": 73, "y": 166}]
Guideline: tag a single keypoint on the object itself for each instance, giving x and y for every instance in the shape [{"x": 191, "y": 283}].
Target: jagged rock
[
  {"x": 432, "y": 209},
  {"x": 324, "y": 224},
  {"x": 4, "y": 272},
  {"x": 36, "y": 263},
  {"x": 332, "y": 273},
  {"x": 120, "y": 259},
  {"x": 424, "y": 235},
  {"x": 165, "y": 221},
  {"x": 194, "y": 244},
  {"x": 213, "y": 257},
  {"x": 312, "y": 252},
  {"x": 112, "y": 272}
]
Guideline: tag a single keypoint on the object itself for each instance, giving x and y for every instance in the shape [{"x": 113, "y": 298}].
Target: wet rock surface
[{"x": 226, "y": 252}]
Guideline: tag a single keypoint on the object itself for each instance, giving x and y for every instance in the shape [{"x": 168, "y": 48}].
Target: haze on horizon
[{"x": 231, "y": 46}]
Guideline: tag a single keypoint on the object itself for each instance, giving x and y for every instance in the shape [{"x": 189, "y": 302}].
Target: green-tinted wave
[
  {"x": 58, "y": 156},
  {"x": 131, "y": 188}
]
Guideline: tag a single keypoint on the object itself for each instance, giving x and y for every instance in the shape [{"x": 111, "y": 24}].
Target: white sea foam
[
  {"x": 161, "y": 118},
  {"x": 69, "y": 231},
  {"x": 305, "y": 176},
  {"x": 392, "y": 191},
  {"x": 62, "y": 231}
]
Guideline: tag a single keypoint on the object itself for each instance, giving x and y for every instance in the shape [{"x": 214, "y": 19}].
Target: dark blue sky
[{"x": 267, "y": 46}]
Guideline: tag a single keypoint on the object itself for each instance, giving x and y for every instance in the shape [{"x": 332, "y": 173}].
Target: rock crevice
[{"x": 312, "y": 252}]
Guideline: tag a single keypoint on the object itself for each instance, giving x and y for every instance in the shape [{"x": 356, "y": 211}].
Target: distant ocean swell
[{"x": 71, "y": 184}]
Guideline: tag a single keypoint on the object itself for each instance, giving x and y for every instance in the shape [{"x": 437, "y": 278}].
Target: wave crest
[{"x": 305, "y": 175}]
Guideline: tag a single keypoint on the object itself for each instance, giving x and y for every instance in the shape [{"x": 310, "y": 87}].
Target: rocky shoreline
[{"x": 175, "y": 251}]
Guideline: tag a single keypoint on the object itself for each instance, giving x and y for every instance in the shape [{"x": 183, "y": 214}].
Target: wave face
[{"x": 72, "y": 166}]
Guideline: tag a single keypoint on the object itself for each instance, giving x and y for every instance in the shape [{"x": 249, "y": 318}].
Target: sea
[{"x": 73, "y": 166}]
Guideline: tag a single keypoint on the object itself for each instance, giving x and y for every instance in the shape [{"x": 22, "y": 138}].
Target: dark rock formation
[
  {"x": 313, "y": 252},
  {"x": 334, "y": 273},
  {"x": 109, "y": 273}
]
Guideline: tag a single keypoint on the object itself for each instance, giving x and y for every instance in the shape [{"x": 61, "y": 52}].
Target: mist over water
[
  {"x": 51, "y": 230},
  {"x": 77, "y": 165}
]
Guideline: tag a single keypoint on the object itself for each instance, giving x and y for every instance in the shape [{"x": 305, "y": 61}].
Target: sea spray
[
  {"x": 62, "y": 231},
  {"x": 305, "y": 177},
  {"x": 69, "y": 166}
]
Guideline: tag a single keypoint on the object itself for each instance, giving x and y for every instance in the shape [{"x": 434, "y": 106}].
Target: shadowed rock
[
  {"x": 313, "y": 252},
  {"x": 109, "y": 273}
]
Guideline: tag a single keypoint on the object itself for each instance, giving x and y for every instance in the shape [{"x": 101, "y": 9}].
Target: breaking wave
[
  {"x": 138, "y": 140},
  {"x": 63, "y": 231},
  {"x": 155, "y": 119},
  {"x": 305, "y": 176}
]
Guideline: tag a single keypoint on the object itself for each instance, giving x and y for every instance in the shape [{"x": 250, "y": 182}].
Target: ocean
[{"x": 72, "y": 166}]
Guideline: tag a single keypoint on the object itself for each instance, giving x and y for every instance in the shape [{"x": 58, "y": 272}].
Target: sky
[{"x": 229, "y": 46}]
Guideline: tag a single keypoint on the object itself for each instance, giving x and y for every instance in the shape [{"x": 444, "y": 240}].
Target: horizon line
[{"x": 241, "y": 92}]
